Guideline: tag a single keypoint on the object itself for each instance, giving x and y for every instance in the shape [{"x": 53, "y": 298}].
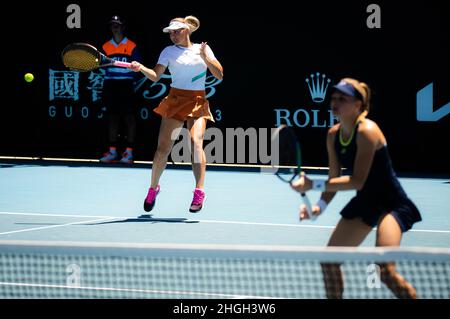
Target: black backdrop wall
[{"x": 268, "y": 52}]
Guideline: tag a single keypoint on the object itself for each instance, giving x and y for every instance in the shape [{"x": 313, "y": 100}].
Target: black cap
[{"x": 116, "y": 19}]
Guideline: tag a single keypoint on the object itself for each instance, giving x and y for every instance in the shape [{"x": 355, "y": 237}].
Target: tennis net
[{"x": 30, "y": 269}]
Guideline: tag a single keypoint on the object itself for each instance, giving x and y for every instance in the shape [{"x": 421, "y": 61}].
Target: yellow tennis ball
[{"x": 29, "y": 77}]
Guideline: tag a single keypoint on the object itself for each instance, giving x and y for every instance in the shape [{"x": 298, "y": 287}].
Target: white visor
[{"x": 175, "y": 25}]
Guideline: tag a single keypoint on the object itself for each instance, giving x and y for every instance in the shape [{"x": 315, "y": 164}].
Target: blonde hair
[
  {"x": 364, "y": 90},
  {"x": 192, "y": 22}
]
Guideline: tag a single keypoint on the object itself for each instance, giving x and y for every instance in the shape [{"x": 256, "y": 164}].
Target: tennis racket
[
  {"x": 290, "y": 155},
  {"x": 84, "y": 57}
]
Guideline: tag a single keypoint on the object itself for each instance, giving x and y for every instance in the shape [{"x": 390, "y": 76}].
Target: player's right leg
[
  {"x": 348, "y": 232},
  {"x": 389, "y": 233},
  {"x": 165, "y": 144}
]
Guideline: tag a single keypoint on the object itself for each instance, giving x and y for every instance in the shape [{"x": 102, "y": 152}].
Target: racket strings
[
  {"x": 80, "y": 60},
  {"x": 288, "y": 159},
  {"x": 287, "y": 149}
]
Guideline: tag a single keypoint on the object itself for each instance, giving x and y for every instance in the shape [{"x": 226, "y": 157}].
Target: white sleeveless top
[{"x": 187, "y": 68}]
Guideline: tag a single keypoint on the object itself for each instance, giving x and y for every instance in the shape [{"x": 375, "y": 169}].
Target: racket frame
[
  {"x": 297, "y": 170},
  {"x": 101, "y": 59}
]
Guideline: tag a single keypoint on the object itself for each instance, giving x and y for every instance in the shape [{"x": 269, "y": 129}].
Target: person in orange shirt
[{"x": 118, "y": 92}]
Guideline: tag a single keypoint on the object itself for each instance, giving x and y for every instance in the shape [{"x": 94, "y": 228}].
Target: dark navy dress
[{"x": 381, "y": 193}]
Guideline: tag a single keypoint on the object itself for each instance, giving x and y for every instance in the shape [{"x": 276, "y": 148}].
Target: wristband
[
  {"x": 322, "y": 204},
  {"x": 319, "y": 185}
]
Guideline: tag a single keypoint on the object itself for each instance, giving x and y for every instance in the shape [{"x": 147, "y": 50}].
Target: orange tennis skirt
[{"x": 184, "y": 104}]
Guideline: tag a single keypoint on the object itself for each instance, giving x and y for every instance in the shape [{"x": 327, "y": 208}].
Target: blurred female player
[
  {"x": 188, "y": 63},
  {"x": 359, "y": 145}
]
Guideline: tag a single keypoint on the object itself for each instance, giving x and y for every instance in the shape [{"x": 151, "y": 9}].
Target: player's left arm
[
  {"x": 367, "y": 142},
  {"x": 212, "y": 63}
]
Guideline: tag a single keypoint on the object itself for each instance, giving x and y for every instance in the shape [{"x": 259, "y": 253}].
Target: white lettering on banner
[
  {"x": 303, "y": 114},
  {"x": 85, "y": 112},
  {"x": 218, "y": 116},
  {"x": 161, "y": 88},
  {"x": 76, "y": 111},
  {"x": 52, "y": 111},
  {"x": 282, "y": 114},
  {"x": 68, "y": 111},
  {"x": 210, "y": 83},
  {"x": 316, "y": 119},
  {"x": 425, "y": 112},
  {"x": 317, "y": 84},
  {"x": 144, "y": 113},
  {"x": 65, "y": 85},
  {"x": 100, "y": 115},
  {"x": 304, "y": 118},
  {"x": 96, "y": 80}
]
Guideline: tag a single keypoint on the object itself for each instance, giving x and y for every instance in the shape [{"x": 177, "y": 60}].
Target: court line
[
  {"x": 306, "y": 226},
  {"x": 209, "y": 221},
  {"x": 55, "y": 226},
  {"x": 149, "y": 291},
  {"x": 56, "y": 215},
  {"x": 260, "y": 224},
  {"x": 87, "y": 160}
]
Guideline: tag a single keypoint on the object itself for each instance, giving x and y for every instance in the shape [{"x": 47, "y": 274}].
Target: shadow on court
[
  {"x": 148, "y": 219},
  {"x": 141, "y": 219}
]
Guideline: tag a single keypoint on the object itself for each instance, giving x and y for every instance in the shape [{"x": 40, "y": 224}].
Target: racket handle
[
  {"x": 122, "y": 64},
  {"x": 308, "y": 207}
]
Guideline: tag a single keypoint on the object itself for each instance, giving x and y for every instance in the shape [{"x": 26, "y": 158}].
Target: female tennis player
[
  {"x": 188, "y": 63},
  {"x": 359, "y": 145}
]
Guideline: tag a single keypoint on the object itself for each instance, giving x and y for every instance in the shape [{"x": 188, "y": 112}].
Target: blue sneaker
[
  {"x": 127, "y": 158},
  {"x": 109, "y": 157}
]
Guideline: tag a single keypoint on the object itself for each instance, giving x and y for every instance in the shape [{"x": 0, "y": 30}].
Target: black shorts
[
  {"x": 119, "y": 97},
  {"x": 403, "y": 210}
]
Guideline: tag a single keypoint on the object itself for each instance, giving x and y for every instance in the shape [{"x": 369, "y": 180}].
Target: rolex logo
[{"x": 318, "y": 87}]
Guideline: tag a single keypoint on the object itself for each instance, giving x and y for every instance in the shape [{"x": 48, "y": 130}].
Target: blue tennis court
[
  {"x": 82, "y": 203},
  {"x": 78, "y": 203}
]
